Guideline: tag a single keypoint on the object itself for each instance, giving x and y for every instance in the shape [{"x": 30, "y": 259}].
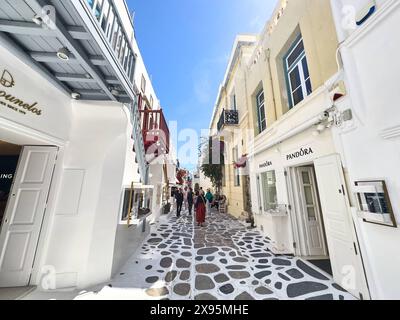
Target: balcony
[
  {"x": 228, "y": 118},
  {"x": 156, "y": 135},
  {"x": 85, "y": 49},
  {"x": 109, "y": 20}
]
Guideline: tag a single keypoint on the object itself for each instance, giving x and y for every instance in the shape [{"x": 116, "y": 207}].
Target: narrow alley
[{"x": 222, "y": 261}]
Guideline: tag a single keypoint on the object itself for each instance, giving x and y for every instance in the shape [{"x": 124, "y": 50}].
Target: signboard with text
[{"x": 8, "y": 166}]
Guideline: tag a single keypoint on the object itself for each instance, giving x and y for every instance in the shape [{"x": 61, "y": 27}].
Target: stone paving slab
[{"x": 222, "y": 261}]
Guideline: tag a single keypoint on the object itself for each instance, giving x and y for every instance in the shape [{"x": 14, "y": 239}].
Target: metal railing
[
  {"x": 155, "y": 130},
  {"x": 110, "y": 22},
  {"x": 228, "y": 117}
]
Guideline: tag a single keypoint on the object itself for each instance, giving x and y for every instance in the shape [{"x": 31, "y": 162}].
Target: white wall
[
  {"x": 347, "y": 11},
  {"x": 205, "y": 182},
  {"x": 82, "y": 241},
  {"x": 279, "y": 229},
  {"x": 56, "y": 115},
  {"x": 371, "y": 142},
  {"x": 81, "y": 237},
  {"x": 131, "y": 173}
]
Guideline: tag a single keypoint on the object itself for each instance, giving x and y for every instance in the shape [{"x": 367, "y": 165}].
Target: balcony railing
[
  {"x": 228, "y": 118},
  {"x": 155, "y": 131},
  {"x": 110, "y": 22}
]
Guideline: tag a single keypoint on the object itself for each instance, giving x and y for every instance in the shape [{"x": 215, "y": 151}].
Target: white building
[
  {"x": 71, "y": 81},
  {"x": 370, "y": 136},
  {"x": 321, "y": 95}
]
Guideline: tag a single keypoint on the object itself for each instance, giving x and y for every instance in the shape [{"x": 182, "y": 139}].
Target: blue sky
[{"x": 186, "y": 46}]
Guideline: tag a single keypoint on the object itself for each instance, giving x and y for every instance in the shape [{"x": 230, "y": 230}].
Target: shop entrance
[
  {"x": 9, "y": 156},
  {"x": 24, "y": 209},
  {"x": 322, "y": 223},
  {"x": 308, "y": 215}
]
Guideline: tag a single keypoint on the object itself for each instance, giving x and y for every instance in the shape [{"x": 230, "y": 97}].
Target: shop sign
[
  {"x": 8, "y": 167},
  {"x": 299, "y": 154},
  {"x": 4, "y": 176},
  {"x": 13, "y": 102},
  {"x": 266, "y": 164}
]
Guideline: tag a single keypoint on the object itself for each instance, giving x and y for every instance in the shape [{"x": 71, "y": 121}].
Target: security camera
[{"x": 324, "y": 116}]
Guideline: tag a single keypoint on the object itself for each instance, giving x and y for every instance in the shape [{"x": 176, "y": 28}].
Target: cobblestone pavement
[{"x": 222, "y": 261}]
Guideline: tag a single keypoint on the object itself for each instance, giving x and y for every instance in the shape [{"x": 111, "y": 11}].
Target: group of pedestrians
[{"x": 200, "y": 200}]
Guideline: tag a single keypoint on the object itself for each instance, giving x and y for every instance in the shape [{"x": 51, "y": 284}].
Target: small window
[
  {"x": 143, "y": 85},
  {"x": 297, "y": 73},
  {"x": 268, "y": 183},
  {"x": 233, "y": 101},
  {"x": 136, "y": 203},
  {"x": 262, "y": 120},
  {"x": 151, "y": 102}
]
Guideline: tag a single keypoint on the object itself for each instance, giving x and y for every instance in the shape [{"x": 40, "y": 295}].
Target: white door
[
  {"x": 343, "y": 248},
  {"x": 24, "y": 215},
  {"x": 311, "y": 213}
]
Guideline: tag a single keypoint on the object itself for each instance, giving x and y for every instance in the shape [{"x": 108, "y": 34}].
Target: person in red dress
[{"x": 200, "y": 207}]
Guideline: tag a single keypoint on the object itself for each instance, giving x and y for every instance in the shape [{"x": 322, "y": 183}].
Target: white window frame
[
  {"x": 143, "y": 84},
  {"x": 260, "y": 200},
  {"x": 261, "y": 105},
  {"x": 233, "y": 100},
  {"x": 299, "y": 64},
  {"x": 266, "y": 206},
  {"x": 236, "y": 171}
]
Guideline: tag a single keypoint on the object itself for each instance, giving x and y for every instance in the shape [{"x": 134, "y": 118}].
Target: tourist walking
[
  {"x": 179, "y": 202},
  {"x": 209, "y": 198},
  {"x": 200, "y": 207},
  {"x": 190, "y": 200},
  {"x": 185, "y": 198}
]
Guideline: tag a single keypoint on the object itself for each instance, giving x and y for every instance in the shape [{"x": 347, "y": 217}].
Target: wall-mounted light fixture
[
  {"x": 63, "y": 54},
  {"x": 114, "y": 92}
]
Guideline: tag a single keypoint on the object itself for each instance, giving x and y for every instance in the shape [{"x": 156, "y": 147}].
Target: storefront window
[
  {"x": 137, "y": 203},
  {"x": 268, "y": 181}
]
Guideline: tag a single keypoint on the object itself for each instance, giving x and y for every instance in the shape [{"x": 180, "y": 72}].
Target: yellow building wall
[
  {"x": 235, "y": 136},
  {"x": 314, "y": 21},
  {"x": 262, "y": 67}
]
